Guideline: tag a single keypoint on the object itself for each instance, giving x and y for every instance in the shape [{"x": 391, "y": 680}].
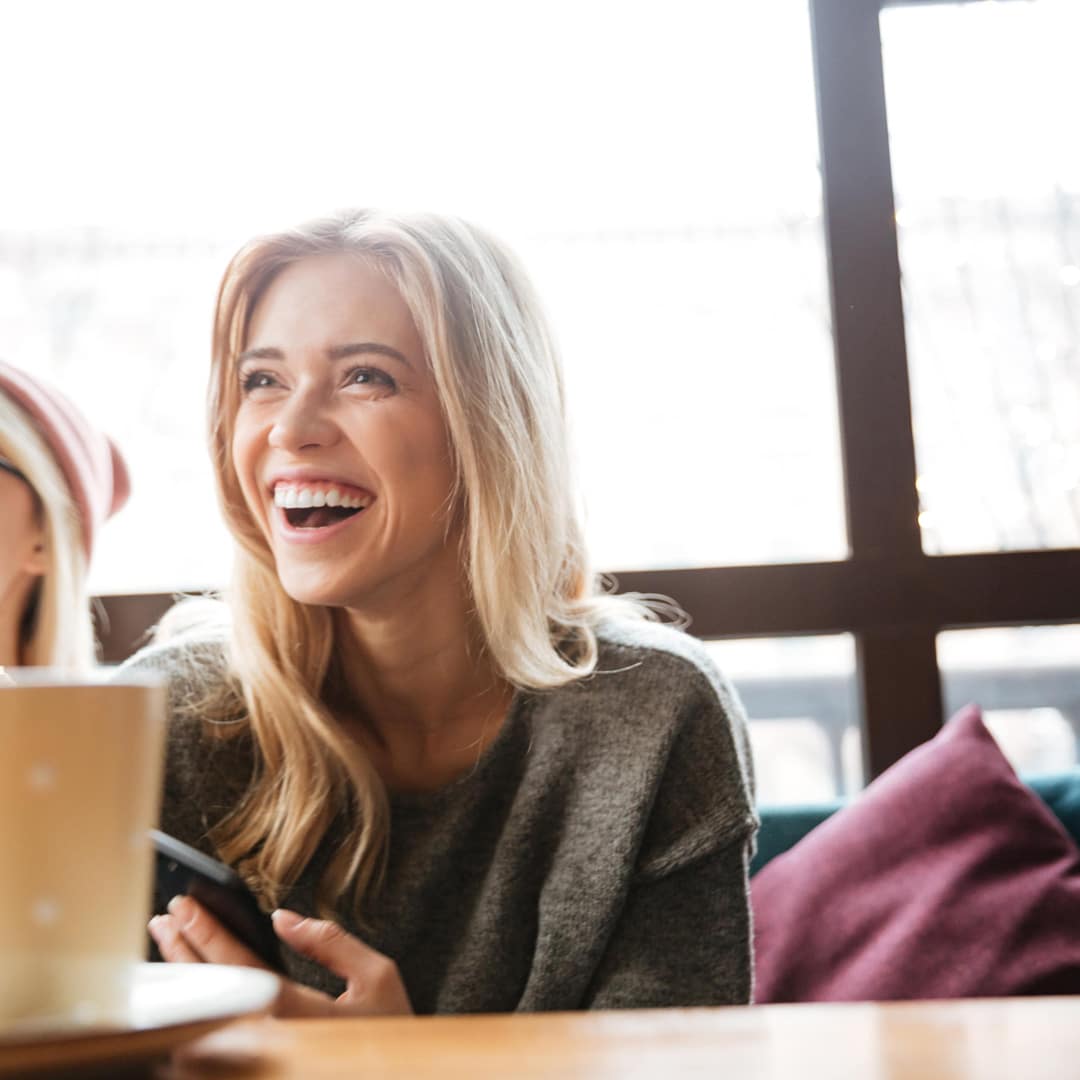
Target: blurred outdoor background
[{"x": 660, "y": 180}]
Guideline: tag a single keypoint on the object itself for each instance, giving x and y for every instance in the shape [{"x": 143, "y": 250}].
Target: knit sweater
[{"x": 595, "y": 857}]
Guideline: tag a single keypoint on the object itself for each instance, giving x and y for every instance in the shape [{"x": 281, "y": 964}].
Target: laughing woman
[{"x": 466, "y": 780}]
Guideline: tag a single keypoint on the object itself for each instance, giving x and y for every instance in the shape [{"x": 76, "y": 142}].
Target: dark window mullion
[
  {"x": 1017, "y": 587},
  {"x": 901, "y": 688},
  {"x": 864, "y": 278},
  {"x": 897, "y": 671}
]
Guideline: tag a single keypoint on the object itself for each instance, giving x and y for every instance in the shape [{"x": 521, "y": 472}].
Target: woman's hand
[{"x": 190, "y": 934}]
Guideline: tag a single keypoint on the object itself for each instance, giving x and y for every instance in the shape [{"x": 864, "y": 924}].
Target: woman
[
  {"x": 467, "y": 780},
  {"x": 60, "y": 479}
]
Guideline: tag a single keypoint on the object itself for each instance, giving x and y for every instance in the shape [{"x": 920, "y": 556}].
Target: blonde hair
[
  {"x": 500, "y": 386},
  {"x": 55, "y": 626}
]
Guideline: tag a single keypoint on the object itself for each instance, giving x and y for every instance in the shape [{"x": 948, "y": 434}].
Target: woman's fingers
[
  {"x": 194, "y": 935},
  {"x": 190, "y": 934},
  {"x": 165, "y": 930},
  {"x": 324, "y": 942},
  {"x": 373, "y": 982}
]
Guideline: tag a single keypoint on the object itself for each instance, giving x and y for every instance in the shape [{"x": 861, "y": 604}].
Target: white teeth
[{"x": 291, "y": 497}]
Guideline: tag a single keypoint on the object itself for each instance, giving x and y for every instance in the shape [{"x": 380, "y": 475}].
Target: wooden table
[{"x": 1014, "y": 1039}]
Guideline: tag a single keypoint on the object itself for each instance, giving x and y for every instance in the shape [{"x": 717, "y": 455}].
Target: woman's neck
[
  {"x": 419, "y": 672},
  {"x": 430, "y": 696}
]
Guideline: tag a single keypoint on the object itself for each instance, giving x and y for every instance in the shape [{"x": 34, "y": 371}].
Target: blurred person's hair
[
  {"x": 55, "y": 627},
  {"x": 536, "y": 600}
]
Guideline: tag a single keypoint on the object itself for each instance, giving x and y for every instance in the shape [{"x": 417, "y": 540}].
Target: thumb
[
  {"x": 372, "y": 980},
  {"x": 325, "y": 943}
]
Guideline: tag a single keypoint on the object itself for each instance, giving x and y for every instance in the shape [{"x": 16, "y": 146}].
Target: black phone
[{"x": 182, "y": 870}]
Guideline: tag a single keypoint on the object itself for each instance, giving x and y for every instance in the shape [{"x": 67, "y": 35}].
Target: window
[
  {"x": 805, "y": 729},
  {"x": 663, "y": 234},
  {"x": 987, "y": 178},
  {"x": 1027, "y": 679},
  {"x": 657, "y": 170}
]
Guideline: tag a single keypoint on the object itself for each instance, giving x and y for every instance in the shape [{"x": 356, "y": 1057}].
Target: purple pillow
[{"x": 946, "y": 878}]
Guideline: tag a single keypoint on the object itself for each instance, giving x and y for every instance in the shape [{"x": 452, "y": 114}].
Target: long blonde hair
[
  {"x": 500, "y": 385},
  {"x": 55, "y": 627}
]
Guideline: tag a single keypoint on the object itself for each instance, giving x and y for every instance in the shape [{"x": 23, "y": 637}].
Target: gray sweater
[{"x": 595, "y": 857}]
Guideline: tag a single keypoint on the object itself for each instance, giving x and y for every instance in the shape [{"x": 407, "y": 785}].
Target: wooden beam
[
  {"x": 901, "y": 690},
  {"x": 123, "y": 623},
  {"x": 867, "y": 594},
  {"x": 864, "y": 282},
  {"x": 807, "y": 598}
]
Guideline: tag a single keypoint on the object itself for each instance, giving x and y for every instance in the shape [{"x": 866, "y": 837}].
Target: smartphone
[{"x": 182, "y": 870}]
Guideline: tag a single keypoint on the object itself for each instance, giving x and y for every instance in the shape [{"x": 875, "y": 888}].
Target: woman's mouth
[{"x": 318, "y": 506}]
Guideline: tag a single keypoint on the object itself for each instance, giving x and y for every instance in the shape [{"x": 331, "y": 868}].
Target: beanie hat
[{"x": 91, "y": 463}]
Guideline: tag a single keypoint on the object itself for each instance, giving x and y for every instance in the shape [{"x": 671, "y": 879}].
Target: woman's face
[
  {"x": 339, "y": 444},
  {"x": 22, "y": 555}
]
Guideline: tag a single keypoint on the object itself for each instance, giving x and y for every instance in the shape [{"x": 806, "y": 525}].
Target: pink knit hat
[{"x": 89, "y": 460}]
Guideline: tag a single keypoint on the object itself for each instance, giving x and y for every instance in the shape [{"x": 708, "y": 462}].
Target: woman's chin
[{"x": 313, "y": 590}]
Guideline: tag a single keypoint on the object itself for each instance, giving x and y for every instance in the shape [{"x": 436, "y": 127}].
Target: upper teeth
[{"x": 296, "y": 497}]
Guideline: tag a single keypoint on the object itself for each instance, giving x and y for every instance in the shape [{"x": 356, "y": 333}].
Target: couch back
[{"x": 784, "y": 826}]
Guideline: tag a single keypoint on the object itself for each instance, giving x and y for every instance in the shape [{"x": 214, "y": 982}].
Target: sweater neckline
[{"x": 418, "y": 801}]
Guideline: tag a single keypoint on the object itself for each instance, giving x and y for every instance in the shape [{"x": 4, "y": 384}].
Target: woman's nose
[{"x": 304, "y": 421}]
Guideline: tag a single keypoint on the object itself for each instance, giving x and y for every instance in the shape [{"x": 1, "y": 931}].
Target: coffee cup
[{"x": 80, "y": 781}]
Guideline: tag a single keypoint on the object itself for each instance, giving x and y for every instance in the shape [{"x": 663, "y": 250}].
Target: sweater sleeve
[
  {"x": 683, "y": 936},
  {"x": 683, "y": 939}
]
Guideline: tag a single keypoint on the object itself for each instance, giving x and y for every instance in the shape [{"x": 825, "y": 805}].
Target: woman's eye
[
  {"x": 256, "y": 380},
  {"x": 369, "y": 376}
]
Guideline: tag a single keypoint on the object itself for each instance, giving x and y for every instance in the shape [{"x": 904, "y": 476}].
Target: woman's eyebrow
[
  {"x": 262, "y": 353},
  {"x": 335, "y": 352},
  {"x": 339, "y": 352}
]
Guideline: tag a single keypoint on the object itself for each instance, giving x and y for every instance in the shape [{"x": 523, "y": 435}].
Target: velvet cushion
[{"x": 946, "y": 878}]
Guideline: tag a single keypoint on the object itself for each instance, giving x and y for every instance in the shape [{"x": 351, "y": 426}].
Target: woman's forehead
[{"x": 331, "y": 300}]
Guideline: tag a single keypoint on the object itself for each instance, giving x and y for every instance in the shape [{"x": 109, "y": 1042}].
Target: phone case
[{"x": 183, "y": 870}]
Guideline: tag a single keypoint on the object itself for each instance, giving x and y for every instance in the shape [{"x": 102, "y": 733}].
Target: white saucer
[{"x": 170, "y": 1005}]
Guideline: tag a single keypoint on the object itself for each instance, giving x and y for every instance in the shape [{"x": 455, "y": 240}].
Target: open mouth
[
  {"x": 319, "y": 517},
  {"x": 318, "y": 506}
]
